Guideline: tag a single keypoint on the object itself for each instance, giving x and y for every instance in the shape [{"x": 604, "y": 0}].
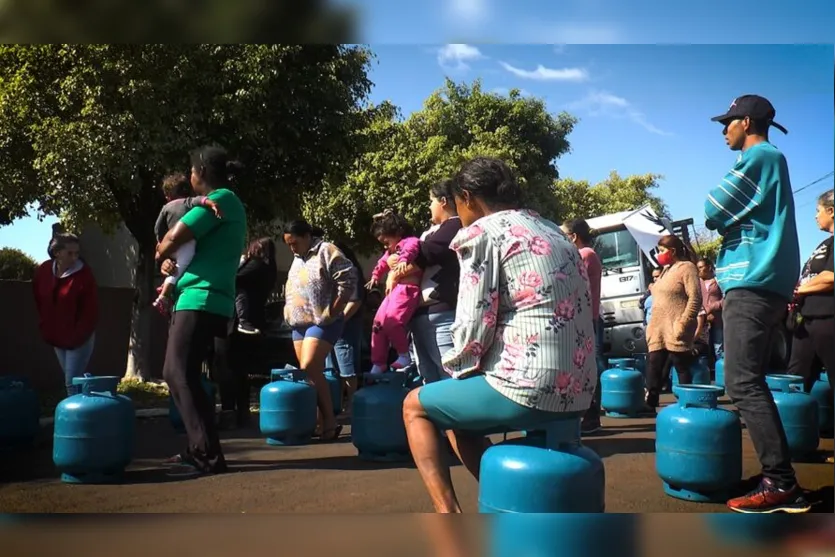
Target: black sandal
[{"x": 324, "y": 437}]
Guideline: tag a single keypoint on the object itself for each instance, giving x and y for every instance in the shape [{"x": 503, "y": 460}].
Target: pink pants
[{"x": 390, "y": 323}]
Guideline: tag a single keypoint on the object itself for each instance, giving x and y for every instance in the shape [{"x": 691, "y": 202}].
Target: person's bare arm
[
  {"x": 820, "y": 284},
  {"x": 172, "y": 241}
]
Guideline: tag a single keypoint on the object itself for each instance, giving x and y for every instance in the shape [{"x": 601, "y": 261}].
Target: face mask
[{"x": 665, "y": 258}]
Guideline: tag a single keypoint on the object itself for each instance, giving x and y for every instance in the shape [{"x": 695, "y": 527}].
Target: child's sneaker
[
  {"x": 376, "y": 370},
  {"x": 247, "y": 328},
  {"x": 404, "y": 360},
  {"x": 163, "y": 306}
]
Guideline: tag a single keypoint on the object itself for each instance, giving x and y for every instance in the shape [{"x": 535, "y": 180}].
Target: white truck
[{"x": 627, "y": 269}]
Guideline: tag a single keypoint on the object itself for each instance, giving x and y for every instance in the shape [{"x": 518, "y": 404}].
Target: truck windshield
[{"x": 617, "y": 249}]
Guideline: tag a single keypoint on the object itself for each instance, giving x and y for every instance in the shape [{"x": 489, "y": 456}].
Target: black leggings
[
  {"x": 235, "y": 357},
  {"x": 190, "y": 338},
  {"x": 659, "y": 364},
  {"x": 815, "y": 339}
]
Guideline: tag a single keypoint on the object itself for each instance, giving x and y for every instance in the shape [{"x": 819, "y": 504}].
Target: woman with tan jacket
[{"x": 676, "y": 301}]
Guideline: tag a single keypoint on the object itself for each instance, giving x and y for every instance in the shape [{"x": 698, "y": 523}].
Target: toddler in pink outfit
[{"x": 398, "y": 307}]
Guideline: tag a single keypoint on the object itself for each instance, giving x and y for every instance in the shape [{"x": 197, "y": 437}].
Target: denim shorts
[
  {"x": 471, "y": 404},
  {"x": 329, "y": 333},
  {"x": 347, "y": 351}
]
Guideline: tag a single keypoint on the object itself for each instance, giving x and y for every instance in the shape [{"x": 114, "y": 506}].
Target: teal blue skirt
[{"x": 472, "y": 405}]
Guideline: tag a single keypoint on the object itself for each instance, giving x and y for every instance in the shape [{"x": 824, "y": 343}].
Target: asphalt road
[{"x": 329, "y": 478}]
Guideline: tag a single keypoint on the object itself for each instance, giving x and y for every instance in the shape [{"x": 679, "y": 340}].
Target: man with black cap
[{"x": 757, "y": 269}]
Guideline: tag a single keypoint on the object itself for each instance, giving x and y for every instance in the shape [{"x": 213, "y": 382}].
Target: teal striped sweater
[{"x": 753, "y": 209}]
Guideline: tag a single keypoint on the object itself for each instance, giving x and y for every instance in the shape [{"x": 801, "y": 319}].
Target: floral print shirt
[
  {"x": 315, "y": 280},
  {"x": 524, "y": 314}
]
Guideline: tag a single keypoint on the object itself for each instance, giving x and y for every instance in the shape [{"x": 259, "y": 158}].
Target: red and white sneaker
[{"x": 768, "y": 498}]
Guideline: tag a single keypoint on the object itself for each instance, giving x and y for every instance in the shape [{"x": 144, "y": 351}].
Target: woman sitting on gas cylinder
[{"x": 523, "y": 335}]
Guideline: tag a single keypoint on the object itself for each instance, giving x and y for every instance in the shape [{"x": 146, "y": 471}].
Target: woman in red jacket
[{"x": 68, "y": 308}]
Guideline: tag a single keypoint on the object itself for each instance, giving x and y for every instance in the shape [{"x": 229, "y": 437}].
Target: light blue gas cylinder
[
  {"x": 94, "y": 432},
  {"x": 720, "y": 372},
  {"x": 563, "y": 535},
  {"x": 698, "y": 447},
  {"x": 20, "y": 412},
  {"x": 622, "y": 392},
  {"x": 822, "y": 393},
  {"x": 699, "y": 371},
  {"x": 562, "y": 477},
  {"x": 288, "y": 409},
  {"x": 798, "y": 412},
  {"x": 377, "y": 428}
]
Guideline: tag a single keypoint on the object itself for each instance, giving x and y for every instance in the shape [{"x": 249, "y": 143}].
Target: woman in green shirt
[{"x": 205, "y": 302}]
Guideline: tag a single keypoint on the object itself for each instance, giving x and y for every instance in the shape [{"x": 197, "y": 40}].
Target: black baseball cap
[{"x": 752, "y": 106}]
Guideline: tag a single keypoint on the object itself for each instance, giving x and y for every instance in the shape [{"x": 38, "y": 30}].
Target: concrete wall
[{"x": 24, "y": 353}]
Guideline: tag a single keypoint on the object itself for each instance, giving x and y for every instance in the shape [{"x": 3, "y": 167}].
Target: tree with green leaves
[
  {"x": 88, "y": 131},
  {"x": 16, "y": 265},
  {"x": 580, "y": 199},
  {"x": 403, "y": 158},
  {"x": 706, "y": 244}
]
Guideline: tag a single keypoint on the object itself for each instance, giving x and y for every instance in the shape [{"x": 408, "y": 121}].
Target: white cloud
[
  {"x": 456, "y": 56},
  {"x": 541, "y": 73},
  {"x": 601, "y": 103}
]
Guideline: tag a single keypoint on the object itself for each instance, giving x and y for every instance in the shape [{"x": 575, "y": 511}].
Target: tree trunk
[{"x": 139, "y": 346}]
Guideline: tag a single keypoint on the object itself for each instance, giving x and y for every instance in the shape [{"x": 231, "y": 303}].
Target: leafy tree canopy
[
  {"x": 403, "y": 158},
  {"x": 88, "y": 131},
  {"x": 580, "y": 199},
  {"x": 16, "y": 265}
]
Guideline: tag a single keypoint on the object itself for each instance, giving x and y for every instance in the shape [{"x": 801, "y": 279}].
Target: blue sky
[
  {"x": 642, "y": 108},
  {"x": 594, "y": 21}
]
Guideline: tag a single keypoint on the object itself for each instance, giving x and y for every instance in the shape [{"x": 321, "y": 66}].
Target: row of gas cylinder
[
  {"x": 545, "y": 470},
  {"x": 699, "y": 444},
  {"x": 93, "y": 435},
  {"x": 288, "y": 406}
]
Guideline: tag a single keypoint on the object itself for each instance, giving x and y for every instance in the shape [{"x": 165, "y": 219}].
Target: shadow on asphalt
[
  {"x": 609, "y": 447},
  {"x": 351, "y": 462}
]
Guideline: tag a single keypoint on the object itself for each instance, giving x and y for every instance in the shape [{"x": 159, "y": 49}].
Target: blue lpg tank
[
  {"x": 699, "y": 371},
  {"x": 563, "y": 535},
  {"x": 559, "y": 476},
  {"x": 377, "y": 428},
  {"x": 622, "y": 392},
  {"x": 623, "y": 363},
  {"x": 822, "y": 393},
  {"x": 332, "y": 379},
  {"x": 20, "y": 412},
  {"x": 698, "y": 447},
  {"x": 720, "y": 372},
  {"x": 94, "y": 432},
  {"x": 335, "y": 388},
  {"x": 288, "y": 408},
  {"x": 798, "y": 412}
]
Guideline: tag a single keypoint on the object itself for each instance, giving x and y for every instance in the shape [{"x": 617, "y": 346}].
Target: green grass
[{"x": 143, "y": 395}]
